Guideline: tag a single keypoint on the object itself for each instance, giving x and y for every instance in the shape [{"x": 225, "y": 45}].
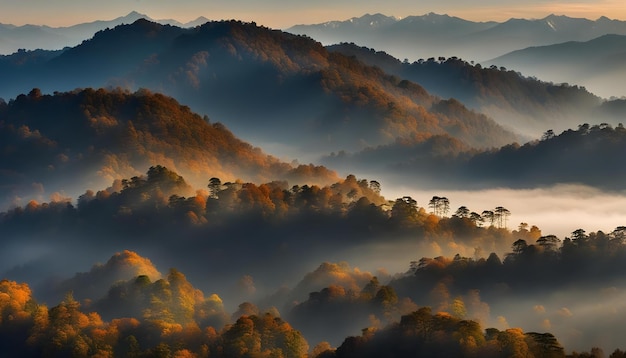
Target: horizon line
[{"x": 398, "y": 18}]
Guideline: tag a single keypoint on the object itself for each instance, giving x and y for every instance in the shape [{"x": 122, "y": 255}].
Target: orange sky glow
[{"x": 283, "y": 14}]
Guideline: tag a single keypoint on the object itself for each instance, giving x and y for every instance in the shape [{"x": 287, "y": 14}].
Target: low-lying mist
[
  {"x": 556, "y": 210},
  {"x": 581, "y": 317}
]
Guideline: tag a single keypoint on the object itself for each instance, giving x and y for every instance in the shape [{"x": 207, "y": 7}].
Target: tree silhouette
[
  {"x": 440, "y": 205},
  {"x": 488, "y": 216},
  {"x": 462, "y": 212},
  {"x": 215, "y": 185},
  {"x": 375, "y": 186},
  {"x": 501, "y": 215}
]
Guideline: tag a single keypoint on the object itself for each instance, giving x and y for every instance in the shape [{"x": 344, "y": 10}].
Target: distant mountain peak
[
  {"x": 553, "y": 16},
  {"x": 604, "y": 19},
  {"x": 375, "y": 20},
  {"x": 377, "y": 15},
  {"x": 134, "y": 15},
  {"x": 434, "y": 14}
]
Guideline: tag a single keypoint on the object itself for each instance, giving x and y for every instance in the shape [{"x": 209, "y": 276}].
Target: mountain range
[
  {"x": 257, "y": 81},
  {"x": 434, "y": 35},
  {"x": 31, "y": 37},
  {"x": 268, "y": 86},
  {"x": 412, "y": 37}
]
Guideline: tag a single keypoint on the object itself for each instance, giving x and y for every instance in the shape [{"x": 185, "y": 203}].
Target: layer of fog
[
  {"x": 580, "y": 318},
  {"x": 557, "y": 210}
]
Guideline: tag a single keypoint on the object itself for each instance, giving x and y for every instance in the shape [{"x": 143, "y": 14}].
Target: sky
[{"x": 282, "y": 14}]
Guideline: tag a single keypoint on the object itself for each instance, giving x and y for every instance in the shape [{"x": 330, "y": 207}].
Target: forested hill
[
  {"x": 590, "y": 154},
  {"x": 597, "y": 63},
  {"x": 143, "y": 315},
  {"x": 266, "y": 85},
  {"x": 527, "y": 104},
  {"x": 72, "y": 141}
]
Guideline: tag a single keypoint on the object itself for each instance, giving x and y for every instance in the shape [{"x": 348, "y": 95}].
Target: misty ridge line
[
  {"x": 295, "y": 69},
  {"x": 527, "y": 105},
  {"x": 568, "y": 105},
  {"x": 434, "y": 149},
  {"x": 56, "y": 38},
  {"x": 156, "y": 199},
  {"x": 376, "y": 21},
  {"x": 431, "y": 25},
  {"x": 441, "y": 161},
  {"x": 446, "y": 157},
  {"x": 102, "y": 118},
  {"x": 555, "y": 48}
]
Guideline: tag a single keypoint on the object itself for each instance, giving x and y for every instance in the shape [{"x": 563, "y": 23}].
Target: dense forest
[
  {"x": 173, "y": 319},
  {"x": 147, "y": 210}
]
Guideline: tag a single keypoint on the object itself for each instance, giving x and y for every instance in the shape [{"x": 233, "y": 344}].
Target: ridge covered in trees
[
  {"x": 587, "y": 155},
  {"x": 63, "y": 142},
  {"x": 526, "y": 104},
  {"x": 264, "y": 84},
  {"x": 145, "y": 316},
  {"x": 149, "y": 210},
  {"x": 145, "y": 212},
  {"x": 172, "y": 318},
  {"x": 67, "y": 329},
  {"x": 174, "y": 323}
]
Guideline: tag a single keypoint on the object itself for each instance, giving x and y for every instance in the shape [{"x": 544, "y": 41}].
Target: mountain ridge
[
  {"x": 248, "y": 76},
  {"x": 597, "y": 64},
  {"x": 45, "y": 37},
  {"x": 478, "y": 41},
  {"x": 526, "y": 104}
]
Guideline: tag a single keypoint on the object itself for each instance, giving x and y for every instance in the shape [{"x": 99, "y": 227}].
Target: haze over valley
[{"x": 381, "y": 186}]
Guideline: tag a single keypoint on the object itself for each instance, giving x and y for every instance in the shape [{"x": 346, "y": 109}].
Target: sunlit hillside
[
  {"x": 528, "y": 105},
  {"x": 65, "y": 143}
]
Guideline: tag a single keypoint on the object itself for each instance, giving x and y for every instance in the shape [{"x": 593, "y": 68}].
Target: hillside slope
[
  {"x": 526, "y": 104},
  {"x": 31, "y": 37},
  {"x": 590, "y": 155},
  {"x": 268, "y": 86},
  {"x": 598, "y": 64},
  {"x": 72, "y": 141}
]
